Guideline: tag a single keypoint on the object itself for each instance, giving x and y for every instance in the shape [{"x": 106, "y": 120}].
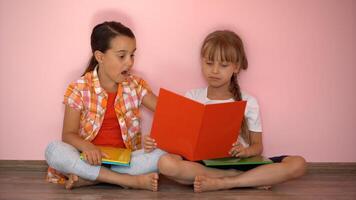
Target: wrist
[
  {"x": 249, "y": 152},
  {"x": 87, "y": 146}
]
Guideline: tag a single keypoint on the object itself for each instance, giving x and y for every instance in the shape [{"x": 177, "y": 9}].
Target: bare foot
[
  {"x": 147, "y": 182},
  {"x": 75, "y": 181},
  {"x": 203, "y": 184}
]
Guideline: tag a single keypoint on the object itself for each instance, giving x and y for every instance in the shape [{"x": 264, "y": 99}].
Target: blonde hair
[{"x": 227, "y": 46}]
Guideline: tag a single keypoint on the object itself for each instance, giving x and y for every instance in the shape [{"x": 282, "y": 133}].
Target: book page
[
  {"x": 220, "y": 128},
  {"x": 176, "y": 123}
]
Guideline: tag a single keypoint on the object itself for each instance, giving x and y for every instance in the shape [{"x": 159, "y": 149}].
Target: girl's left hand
[
  {"x": 238, "y": 150},
  {"x": 149, "y": 144}
]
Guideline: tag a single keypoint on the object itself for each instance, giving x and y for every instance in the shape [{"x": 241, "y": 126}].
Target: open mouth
[{"x": 125, "y": 72}]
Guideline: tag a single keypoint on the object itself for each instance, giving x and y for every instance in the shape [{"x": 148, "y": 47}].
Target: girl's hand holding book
[
  {"x": 239, "y": 151},
  {"x": 149, "y": 144},
  {"x": 93, "y": 154}
]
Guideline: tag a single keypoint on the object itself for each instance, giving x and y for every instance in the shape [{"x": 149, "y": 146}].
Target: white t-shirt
[{"x": 252, "y": 111}]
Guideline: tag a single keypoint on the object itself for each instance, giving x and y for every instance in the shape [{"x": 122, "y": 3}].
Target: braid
[{"x": 235, "y": 90}]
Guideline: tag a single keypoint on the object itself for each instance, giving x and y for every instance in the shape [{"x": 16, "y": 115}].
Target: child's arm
[
  {"x": 70, "y": 135},
  {"x": 150, "y": 101},
  {"x": 255, "y": 148}
]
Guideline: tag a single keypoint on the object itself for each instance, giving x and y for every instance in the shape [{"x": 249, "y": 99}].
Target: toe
[
  {"x": 75, "y": 178},
  {"x": 156, "y": 176}
]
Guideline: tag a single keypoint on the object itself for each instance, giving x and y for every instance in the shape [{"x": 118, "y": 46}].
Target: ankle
[{"x": 229, "y": 182}]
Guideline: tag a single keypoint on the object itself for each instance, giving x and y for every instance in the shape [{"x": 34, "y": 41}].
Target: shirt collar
[
  {"x": 211, "y": 101},
  {"x": 96, "y": 83}
]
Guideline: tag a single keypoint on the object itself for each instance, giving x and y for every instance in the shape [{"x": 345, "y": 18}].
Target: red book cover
[{"x": 194, "y": 130}]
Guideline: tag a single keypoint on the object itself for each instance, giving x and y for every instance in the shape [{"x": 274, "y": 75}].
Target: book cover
[
  {"x": 117, "y": 156},
  {"x": 194, "y": 130}
]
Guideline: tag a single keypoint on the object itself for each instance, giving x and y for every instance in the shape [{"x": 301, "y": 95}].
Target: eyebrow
[{"x": 119, "y": 51}]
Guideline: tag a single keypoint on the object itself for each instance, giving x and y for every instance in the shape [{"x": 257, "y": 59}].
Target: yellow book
[{"x": 117, "y": 156}]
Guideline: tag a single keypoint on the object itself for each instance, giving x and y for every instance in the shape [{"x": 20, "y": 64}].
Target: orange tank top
[{"x": 110, "y": 132}]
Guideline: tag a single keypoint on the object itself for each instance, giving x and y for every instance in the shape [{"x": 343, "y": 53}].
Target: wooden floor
[{"x": 25, "y": 180}]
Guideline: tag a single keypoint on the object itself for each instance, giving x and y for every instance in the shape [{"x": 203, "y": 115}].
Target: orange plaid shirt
[{"x": 86, "y": 96}]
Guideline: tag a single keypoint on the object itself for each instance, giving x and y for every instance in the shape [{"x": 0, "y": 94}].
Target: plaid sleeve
[
  {"x": 142, "y": 88},
  {"x": 73, "y": 98}
]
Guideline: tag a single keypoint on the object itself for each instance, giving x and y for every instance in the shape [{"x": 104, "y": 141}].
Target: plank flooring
[{"x": 25, "y": 180}]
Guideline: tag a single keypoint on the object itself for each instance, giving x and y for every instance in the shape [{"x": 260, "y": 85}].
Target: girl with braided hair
[{"x": 223, "y": 57}]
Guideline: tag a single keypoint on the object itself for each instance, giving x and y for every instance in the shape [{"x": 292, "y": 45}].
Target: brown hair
[
  {"x": 227, "y": 46},
  {"x": 101, "y": 37}
]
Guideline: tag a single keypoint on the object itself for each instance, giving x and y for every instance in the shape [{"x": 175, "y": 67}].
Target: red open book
[{"x": 194, "y": 130}]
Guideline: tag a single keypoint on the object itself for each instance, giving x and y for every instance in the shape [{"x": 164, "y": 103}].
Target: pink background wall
[{"x": 301, "y": 54}]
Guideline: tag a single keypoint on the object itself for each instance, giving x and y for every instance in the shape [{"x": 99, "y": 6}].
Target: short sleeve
[
  {"x": 189, "y": 95},
  {"x": 252, "y": 115},
  {"x": 73, "y": 98},
  {"x": 198, "y": 95}
]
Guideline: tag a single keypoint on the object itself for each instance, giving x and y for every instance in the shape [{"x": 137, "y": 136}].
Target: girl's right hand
[
  {"x": 93, "y": 154},
  {"x": 149, "y": 144},
  {"x": 239, "y": 151}
]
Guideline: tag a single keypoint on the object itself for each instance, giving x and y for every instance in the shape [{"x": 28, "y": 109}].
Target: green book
[{"x": 256, "y": 160}]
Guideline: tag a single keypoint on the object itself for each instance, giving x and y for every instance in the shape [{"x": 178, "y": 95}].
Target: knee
[
  {"x": 51, "y": 149},
  {"x": 298, "y": 166},
  {"x": 57, "y": 153},
  {"x": 168, "y": 164}
]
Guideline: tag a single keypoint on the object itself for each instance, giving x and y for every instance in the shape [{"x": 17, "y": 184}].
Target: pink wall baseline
[{"x": 301, "y": 55}]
